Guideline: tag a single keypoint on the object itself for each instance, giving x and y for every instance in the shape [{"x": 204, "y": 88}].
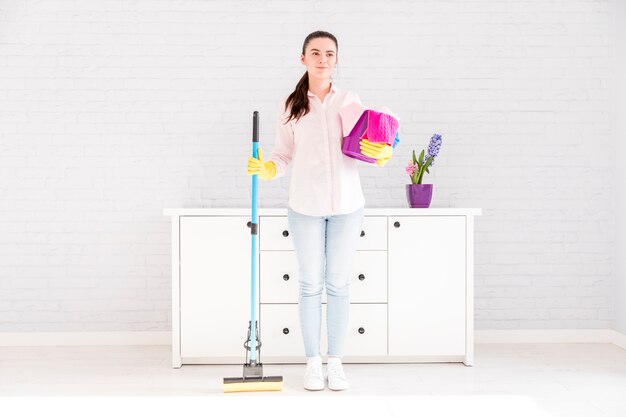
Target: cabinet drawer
[
  {"x": 280, "y": 330},
  {"x": 368, "y": 282},
  {"x": 279, "y": 277},
  {"x": 281, "y": 334},
  {"x": 367, "y": 330},
  {"x": 274, "y": 233},
  {"x": 374, "y": 233}
]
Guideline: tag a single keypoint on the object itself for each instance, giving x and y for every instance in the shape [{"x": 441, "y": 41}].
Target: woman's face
[{"x": 320, "y": 58}]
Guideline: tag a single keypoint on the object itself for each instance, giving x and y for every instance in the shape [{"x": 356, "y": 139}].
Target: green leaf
[
  {"x": 426, "y": 165},
  {"x": 421, "y": 158},
  {"x": 414, "y": 159},
  {"x": 428, "y": 161}
]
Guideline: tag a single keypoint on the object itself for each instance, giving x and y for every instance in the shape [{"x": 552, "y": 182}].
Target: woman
[{"x": 325, "y": 212}]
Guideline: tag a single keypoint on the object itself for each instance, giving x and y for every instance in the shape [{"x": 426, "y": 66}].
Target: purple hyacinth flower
[
  {"x": 433, "y": 148},
  {"x": 435, "y": 145}
]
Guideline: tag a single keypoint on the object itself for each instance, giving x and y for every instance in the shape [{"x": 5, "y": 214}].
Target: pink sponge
[{"x": 360, "y": 123}]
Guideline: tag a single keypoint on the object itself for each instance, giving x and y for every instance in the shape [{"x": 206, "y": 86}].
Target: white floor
[{"x": 522, "y": 379}]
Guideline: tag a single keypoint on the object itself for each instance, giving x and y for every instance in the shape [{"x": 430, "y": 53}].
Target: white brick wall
[
  {"x": 112, "y": 110},
  {"x": 619, "y": 288}
]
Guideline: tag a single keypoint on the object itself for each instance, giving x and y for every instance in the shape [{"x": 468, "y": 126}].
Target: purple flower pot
[{"x": 419, "y": 195}]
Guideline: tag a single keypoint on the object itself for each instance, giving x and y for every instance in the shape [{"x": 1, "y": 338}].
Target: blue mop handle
[{"x": 254, "y": 232}]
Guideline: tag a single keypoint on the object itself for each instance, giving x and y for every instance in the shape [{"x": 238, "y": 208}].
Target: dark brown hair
[{"x": 299, "y": 100}]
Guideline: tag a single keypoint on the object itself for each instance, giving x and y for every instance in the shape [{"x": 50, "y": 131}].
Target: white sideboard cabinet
[{"x": 411, "y": 288}]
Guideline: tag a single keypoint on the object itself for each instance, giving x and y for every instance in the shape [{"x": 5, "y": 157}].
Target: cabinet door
[
  {"x": 426, "y": 285},
  {"x": 214, "y": 285}
]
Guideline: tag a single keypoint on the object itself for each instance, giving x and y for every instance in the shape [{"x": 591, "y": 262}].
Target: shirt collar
[{"x": 333, "y": 89}]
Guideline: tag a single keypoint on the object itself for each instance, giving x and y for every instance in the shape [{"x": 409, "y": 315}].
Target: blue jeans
[{"x": 325, "y": 248}]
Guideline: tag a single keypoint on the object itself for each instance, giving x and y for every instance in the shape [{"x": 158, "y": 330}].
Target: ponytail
[{"x": 299, "y": 99}]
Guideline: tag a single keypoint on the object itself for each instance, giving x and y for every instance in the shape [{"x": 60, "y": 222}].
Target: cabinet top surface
[{"x": 391, "y": 211}]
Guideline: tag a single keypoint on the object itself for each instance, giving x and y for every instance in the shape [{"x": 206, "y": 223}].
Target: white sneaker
[
  {"x": 337, "y": 380},
  {"x": 313, "y": 377}
]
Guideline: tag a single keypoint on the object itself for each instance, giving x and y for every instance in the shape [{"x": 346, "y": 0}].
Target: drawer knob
[
  {"x": 361, "y": 330},
  {"x": 285, "y": 233},
  {"x": 396, "y": 224},
  {"x": 249, "y": 224},
  {"x": 286, "y": 277},
  {"x": 361, "y": 277},
  {"x": 285, "y": 331},
  {"x": 362, "y": 233}
]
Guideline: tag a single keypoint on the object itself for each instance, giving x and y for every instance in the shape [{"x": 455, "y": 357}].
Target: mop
[{"x": 253, "y": 379}]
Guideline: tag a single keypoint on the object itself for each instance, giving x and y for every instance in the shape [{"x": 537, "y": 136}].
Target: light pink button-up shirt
[{"x": 324, "y": 181}]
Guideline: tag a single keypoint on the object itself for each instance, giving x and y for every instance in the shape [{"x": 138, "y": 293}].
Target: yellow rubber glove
[
  {"x": 382, "y": 152},
  {"x": 265, "y": 170}
]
